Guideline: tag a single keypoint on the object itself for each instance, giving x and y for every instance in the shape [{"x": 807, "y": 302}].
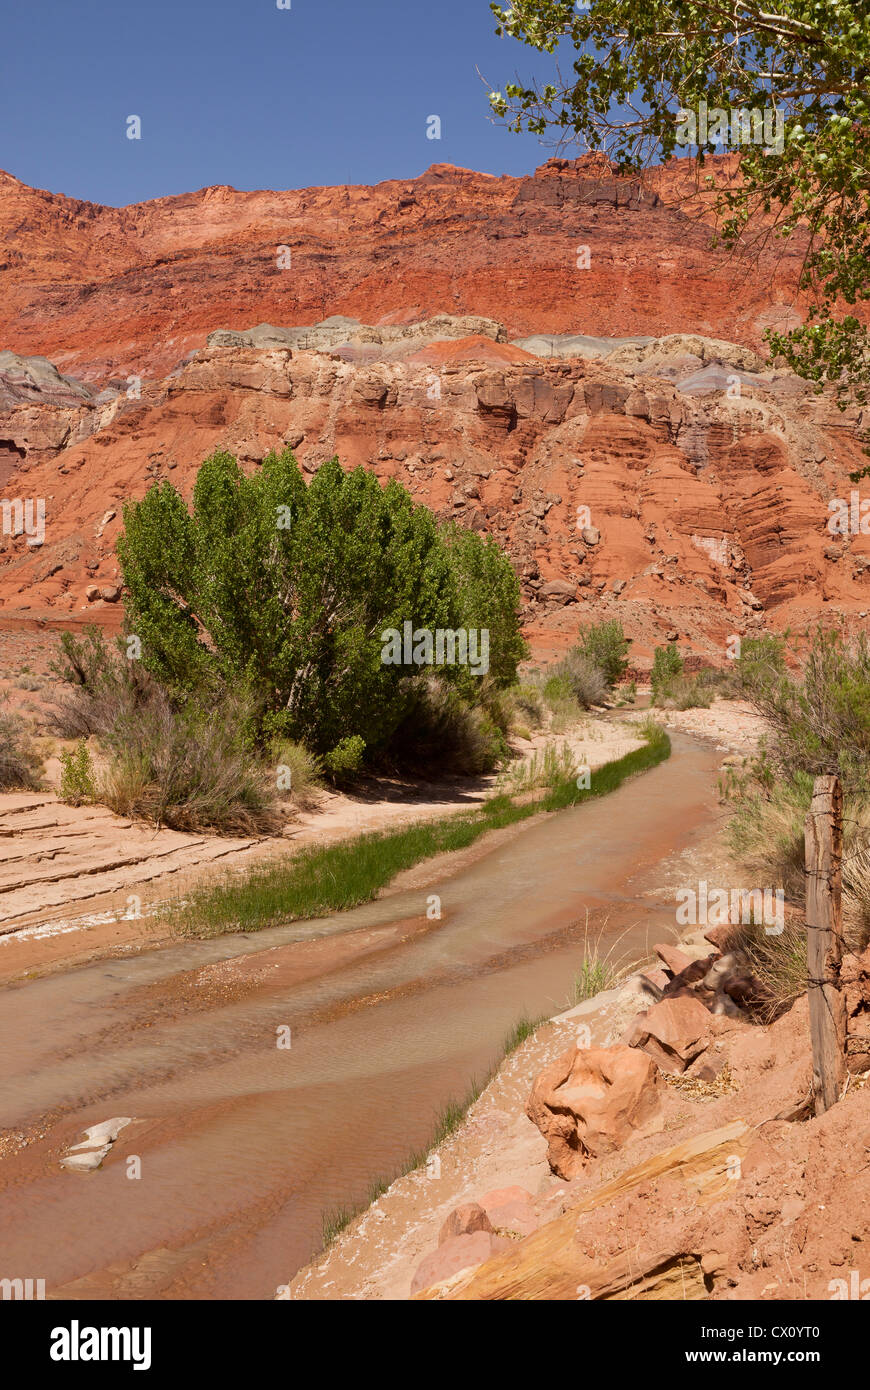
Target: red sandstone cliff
[
  {"x": 104, "y": 290},
  {"x": 708, "y": 510},
  {"x": 706, "y": 514}
]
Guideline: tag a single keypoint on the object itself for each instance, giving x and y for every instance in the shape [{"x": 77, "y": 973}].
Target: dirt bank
[{"x": 733, "y": 1200}]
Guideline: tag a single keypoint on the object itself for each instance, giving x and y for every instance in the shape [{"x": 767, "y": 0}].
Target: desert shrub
[
  {"x": 285, "y": 590},
  {"x": 548, "y": 767},
  {"x": 762, "y": 661},
  {"x": 77, "y": 780},
  {"x": 444, "y": 734},
  {"x": 190, "y": 769},
  {"x": 584, "y": 678},
  {"x": 346, "y": 758},
  {"x": 557, "y": 687},
  {"x": 819, "y": 719},
  {"x": 301, "y": 768},
  {"x": 497, "y": 705},
  {"x": 102, "y": 685},
  {"x": 188, "y": 763},
  {"x": 20, "y": 764},
  {"x": 528, "y": 702},
  {"x": 766, "y": 829},
  {"x": 675, "y": 688},
  {"x": 606, "y": 646},
  {"x": 779, "y": 964},
  {"x": 685, "y": 692},
  {"x": 561, "y": 703}
]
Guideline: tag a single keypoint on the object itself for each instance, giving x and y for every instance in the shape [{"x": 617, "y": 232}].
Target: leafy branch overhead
[{"x": 637, "y": 63}]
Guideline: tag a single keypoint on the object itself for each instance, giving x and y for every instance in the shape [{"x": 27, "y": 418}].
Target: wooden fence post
[{"x": 823, "y": 845}]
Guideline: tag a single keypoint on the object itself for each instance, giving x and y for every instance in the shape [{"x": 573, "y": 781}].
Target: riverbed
[{"x": 389, "y": 1011}]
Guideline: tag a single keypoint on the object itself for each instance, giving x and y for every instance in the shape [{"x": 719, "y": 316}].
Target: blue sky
[{"x": 239, "y": 92}]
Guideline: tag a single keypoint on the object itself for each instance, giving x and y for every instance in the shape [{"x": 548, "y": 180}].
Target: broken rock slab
[
  {"x": 511, "y": 1211},
  {"x": 673, "y": 1032},
  {"x": 465, "y": 1221},
  {"x": 89, "y": 1153}
]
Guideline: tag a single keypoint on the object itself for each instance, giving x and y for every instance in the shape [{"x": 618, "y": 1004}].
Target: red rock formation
[
  {"x": 705, "y": 514},
  {"x": 588, "y": 1102},
  {"x": 103, "y": 290},
  {"x": 619, "y": 485}
]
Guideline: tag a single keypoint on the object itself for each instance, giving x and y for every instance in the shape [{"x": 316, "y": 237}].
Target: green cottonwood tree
[{"x": 284, "y": 591}]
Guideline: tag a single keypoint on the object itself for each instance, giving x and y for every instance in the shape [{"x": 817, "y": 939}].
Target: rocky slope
[
  {"x": 676, "y": 482},
  {"x": 670, "y": 1153}
]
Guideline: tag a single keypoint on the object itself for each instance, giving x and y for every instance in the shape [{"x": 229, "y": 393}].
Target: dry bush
[
  {"x": 101, "y": 686},
  {"x": 189, "y": 769},
  {"x": 443, "y": 733},
  {"x": 20, "y": 764},
  {"x": 547, "y": 767},
  {"x": 305, "y": 771},
  {"x": 528, "y": 703},
  {"x": 587, "y": 681}
]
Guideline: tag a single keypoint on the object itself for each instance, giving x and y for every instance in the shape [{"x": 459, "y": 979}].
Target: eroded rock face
[
  {"x": 105, "y": 291},
  {"x": 615, "y": 495},
  {"x": 613, "y": 427},
  {"x": 590, "y": 1100}
]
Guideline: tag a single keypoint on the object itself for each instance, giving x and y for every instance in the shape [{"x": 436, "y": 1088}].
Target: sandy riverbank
[{"x": 77, "y": 883}]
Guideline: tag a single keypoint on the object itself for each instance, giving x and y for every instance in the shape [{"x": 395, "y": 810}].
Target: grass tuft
[{"x": 599, "y": 970}]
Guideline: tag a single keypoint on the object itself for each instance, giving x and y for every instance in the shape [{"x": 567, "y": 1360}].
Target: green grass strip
[{"x": 322, "y": 880}]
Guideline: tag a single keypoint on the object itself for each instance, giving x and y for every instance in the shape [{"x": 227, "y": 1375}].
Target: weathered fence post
[{"x": 823, "y": 845}]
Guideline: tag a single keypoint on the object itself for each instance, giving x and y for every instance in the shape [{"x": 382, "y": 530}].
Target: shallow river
[{"x": 243, "y": 1144}]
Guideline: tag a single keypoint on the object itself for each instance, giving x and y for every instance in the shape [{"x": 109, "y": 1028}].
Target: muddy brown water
[{"x": 242, "y": 1145}]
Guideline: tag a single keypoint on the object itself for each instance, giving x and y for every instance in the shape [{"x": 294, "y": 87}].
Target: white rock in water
[
  {"x": 85, "y": 1162},
  {"x": 105, "y": 1133},
  {"x": 89, "y": 1153}
]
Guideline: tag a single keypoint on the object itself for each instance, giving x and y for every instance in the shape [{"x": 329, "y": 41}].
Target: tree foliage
[
  {"x": 606, "y": 646},
  {"x": 285, "y": 590}
]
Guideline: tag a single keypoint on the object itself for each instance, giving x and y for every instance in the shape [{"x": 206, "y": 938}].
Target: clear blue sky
[{"x": 242, "y": 93}]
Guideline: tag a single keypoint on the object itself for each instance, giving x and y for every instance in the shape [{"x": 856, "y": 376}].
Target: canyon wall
[
  {"x": 668, "y": 502},
  {"x": 104, "y": 290}
]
